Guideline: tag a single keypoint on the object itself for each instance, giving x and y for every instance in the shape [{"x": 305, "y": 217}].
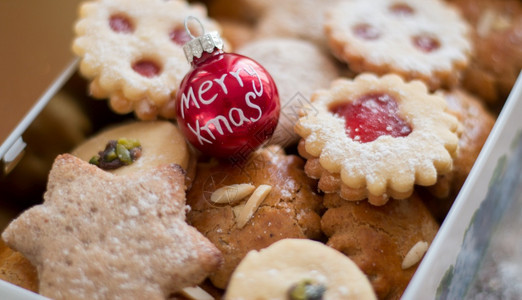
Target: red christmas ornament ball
[{"x": 227, "y": 105}]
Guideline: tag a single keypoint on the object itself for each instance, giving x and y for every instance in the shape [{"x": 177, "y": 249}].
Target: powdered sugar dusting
[
  {"x": 108, "y": 56},
  {"x": 399, "y": 161},
  {"x": 106, "y": 236},
  {"x": 394, "y": 46}
]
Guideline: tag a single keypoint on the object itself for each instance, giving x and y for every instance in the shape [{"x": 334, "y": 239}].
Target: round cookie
[
  {"x": 497, "y": 41},
  {"x": 255, "y": 8},
  {"x": 237, "y": 33},
  {"x": 289, "y": 210},
  {"x": 16, "y": 269},
  {"x": 132, "y": 53},
  {"x": 240, "y": 10},
  {"x": 477, "y": 123},
  {"x": 386, "y": 242},
  {"x": 299, "y": 19},
  {"x": 161, "y": 142},
  {"x": 284, "y": 58},
  {"x": 426, "y": 40},
  {"x": 271, "y": 273}
]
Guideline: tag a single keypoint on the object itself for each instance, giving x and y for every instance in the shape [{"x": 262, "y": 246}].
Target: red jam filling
[
  {"x": 372, "y": 116},
  {"x": 426, "y": 43},
  {"x": 366, "y": 31},
  {"x": 121, "y": 24},
  {"x": 179, "y": 36},
  {"x": 146, "y": 68},
  {"x": 401, "y": 9}
]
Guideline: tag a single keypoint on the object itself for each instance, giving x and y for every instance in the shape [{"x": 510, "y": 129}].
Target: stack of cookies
[{"x": 385, "y": 105}]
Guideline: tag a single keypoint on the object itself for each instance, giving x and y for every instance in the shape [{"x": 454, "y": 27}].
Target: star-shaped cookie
[{"x": 102, "y": 236}]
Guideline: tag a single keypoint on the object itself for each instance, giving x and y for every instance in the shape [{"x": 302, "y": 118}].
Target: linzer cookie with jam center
[
  {"x": 377, "y": 137},
  {"x": 425, "y": 40},
  {"x": 132, "y": 52}
]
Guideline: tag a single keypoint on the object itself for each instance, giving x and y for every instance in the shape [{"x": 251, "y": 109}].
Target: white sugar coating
[
  {"x": 387, "y": 162},
  {"x": 394, "y": 47},
  {"x": 126, "y": 238},
  {"x": 285, "y": 195}
]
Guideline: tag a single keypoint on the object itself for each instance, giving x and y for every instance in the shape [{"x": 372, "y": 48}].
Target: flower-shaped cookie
[
  {"x": 131, "y": 50},
  {"x": 425, "y": 40},
  {"x": 377, "y": 137}
]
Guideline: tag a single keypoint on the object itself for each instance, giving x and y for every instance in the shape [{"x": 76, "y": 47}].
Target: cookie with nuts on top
[
  {"x": 426, "y": 40},
  {"x": 298, "y": 269},
  {"x": 251, "y": 204},
  {"x": 149, "y": 143},
  {"x": 386, "y": 242},
  {"x": 131, "y": 51},
  {"x": 377, "y": 137}
]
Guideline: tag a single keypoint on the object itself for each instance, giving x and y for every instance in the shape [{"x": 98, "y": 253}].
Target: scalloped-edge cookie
[
  {"x": 379, "y": 136},
  {"x": 131, "y": 51},
  {"x": 426, "y": 40}
]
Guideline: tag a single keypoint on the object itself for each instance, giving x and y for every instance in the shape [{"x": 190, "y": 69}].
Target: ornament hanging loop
[
  {"x": 206, "y": 42},
  {"x": 187, "y": 29}
]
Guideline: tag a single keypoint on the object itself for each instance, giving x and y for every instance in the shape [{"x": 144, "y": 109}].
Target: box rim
[{"x": 482, "y": 170}]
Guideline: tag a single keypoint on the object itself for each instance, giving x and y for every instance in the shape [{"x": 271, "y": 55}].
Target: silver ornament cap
[{"x": 206, "y": 42}]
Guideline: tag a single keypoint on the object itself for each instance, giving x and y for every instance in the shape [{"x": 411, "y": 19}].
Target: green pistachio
[
  {"x": 129, "y": 143},
  {"x": 110, "y": 156},
  {"x": 123, "y": 154},
  {"x": 95, "y": 160},
  {"x": 117, "y": 153},
  {"x": 306, "y": 289}
]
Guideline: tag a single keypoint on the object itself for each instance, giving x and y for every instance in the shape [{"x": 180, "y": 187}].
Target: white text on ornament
[
  {"x": 236, "y": 116},
  {"x": 190, "y": 97}
]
